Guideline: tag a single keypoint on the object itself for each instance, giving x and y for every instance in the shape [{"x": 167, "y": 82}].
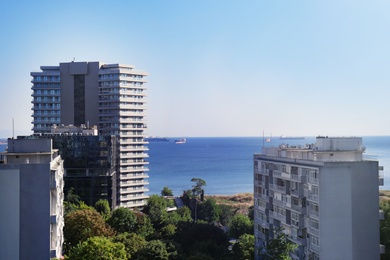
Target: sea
[{"x": 226, "y": 163}]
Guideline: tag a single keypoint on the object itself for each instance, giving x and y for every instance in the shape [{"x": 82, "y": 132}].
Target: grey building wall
[
  {"x": 9, "y": 219},
  {"x": 35, "y": 211},
  {"x": 349, "y": 211},
  {"x": 25, "y": 216},
  {"x": 89, "y": 71}
]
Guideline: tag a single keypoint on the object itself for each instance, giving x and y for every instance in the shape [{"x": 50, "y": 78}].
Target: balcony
[
  {"x": 381, "y": 176},
  {"x": 298, "y": 240},
  {"x": 277, "y": 216},
  {"x": 281, "y": 203},
  {"x": 314, "y": 214},
  {"x": 313, "y": 180},
  {"x": 311, "y": 196},
  {"x": 277, "y": 188},
  {"x": 298, "y": 208},
  {"x": 314, "y": 231}
]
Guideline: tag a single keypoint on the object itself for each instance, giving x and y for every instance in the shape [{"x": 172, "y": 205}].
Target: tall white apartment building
[
  {"x": 31, "y": 183},
  {"x": 111, "y": 96},
  {"x": 324, "y": 196}
]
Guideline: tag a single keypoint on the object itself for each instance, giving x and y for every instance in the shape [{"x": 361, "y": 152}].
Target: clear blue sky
[{"x": 217, "y": 68}]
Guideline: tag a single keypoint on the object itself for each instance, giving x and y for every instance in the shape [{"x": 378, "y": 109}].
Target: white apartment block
[
  {"x": 111, "y": 96},
  {"x": 31, "y": 184},
  {"x": 324, "y": 196}
]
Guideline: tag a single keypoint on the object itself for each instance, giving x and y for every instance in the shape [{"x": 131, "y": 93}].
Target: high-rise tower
[{"x": 111, "y": 96}]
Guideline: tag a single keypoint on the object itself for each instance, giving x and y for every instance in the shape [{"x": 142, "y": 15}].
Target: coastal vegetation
[
  {"x": 201, "y": 229},
  {"x": 384, "y": 205}
]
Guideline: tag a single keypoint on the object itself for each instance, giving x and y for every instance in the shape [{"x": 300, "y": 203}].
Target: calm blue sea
[{"x": 225, "y": 163}]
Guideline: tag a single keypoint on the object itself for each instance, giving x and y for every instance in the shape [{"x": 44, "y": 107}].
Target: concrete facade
[
  {"x": 111, "y": 96},
  {"x": 324, "y": 196},
  {"x": 31, "y": 181}
]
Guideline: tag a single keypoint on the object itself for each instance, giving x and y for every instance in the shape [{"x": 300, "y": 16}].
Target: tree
[
  {"x": 245, "y": 247},
  {"x": 98, "y": 248},
  {"x": 103, "y": 207},
  {"x": 208, "y": 211},
  {"x": 122, "y": 220},
  {"x": 154, "y": 249},
  {"x": 83, "y": 224},
  {"x": 184, "y": 213},
  {"x": 239, "y": 225},
  {"x": 201, "y": 238},
  {"x": 166, "y": 192},
  {"x": 143, "y": 226},
  {"x": 226, "y": 213},
  {"x": 278, "y": 248},
  {"x": 133, "y": 243},
  {"x": 385, "y": 228},
  {"x": 156, "y": 209},
  {"x": 198, "y": 186}
]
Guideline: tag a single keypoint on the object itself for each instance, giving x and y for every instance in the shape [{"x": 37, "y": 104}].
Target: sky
[{"x": 216, "y": 68}]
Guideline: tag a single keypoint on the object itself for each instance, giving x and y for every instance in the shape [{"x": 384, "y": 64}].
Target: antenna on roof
[
  {"x": 13, "y": 128},
  {"x": 73, "y": 59}
]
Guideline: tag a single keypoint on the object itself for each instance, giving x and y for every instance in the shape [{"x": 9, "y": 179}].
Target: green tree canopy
[
  {"x": 198, "y": 186},
  {"x": 385, "y": 228},
  {"x": 133, "y": 243},
  {"x": 192, "y": 237},
  {"x": 98, "y": 248},
  {"x": 103, "y": 207},
  {"x": 166, "y": 192},
  {"x": 239, "y": 225},
  {"x": 122, "y": 220},
  {"x": 154, "y": 249},
  {"x": 244, "y": 249},
  {"x": 144, "y": 225},
  {"x": 156, "y": 209},
  {"x": 208, "y": 210},
  {"x": 278, "y": 248},
  {"x": 83, "y": 224}
]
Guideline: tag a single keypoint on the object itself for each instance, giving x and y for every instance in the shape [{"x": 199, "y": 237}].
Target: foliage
[
  {"x": 239, "y": 225},
  {"x": 184, "y": 213},
  {"x": 168, "y": 231},
  {"x": 385, "y": 228},
  {"x": 251, "y": 213},
  {"x": 98, "y": 248},
  {"x": 103, "y": 207},
  {"x": 209, "y": 247},
  {"x": 122, "y": 220},
  {"x": 245, "y": 247},
  {"x": 144, "y": 226},
  {"x": 83, "y": 224},
  {"x": 71, "y": 197},
  {"x": 154, "y": 249},
  {"x": 190, "y": 235},
  {"x": 166, "y": 192},
  {"x": 226, "y": 213},
  {"x": 208, "y": 211},
  {"x": 278, "y": 248},
  {"x": 156, "y": 210},
  {"x": 198, "y": 186},
  {"x": 133, "y": 243}
]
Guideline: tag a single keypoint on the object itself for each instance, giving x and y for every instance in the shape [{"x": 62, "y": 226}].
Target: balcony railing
[{"x": 278, "y": 188}]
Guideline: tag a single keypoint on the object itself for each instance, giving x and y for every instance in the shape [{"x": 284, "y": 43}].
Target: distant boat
[
  {"x": 181, "y": 141},
  {"x": 156, "y": 139},
  {"x": 283, "y": 137}
]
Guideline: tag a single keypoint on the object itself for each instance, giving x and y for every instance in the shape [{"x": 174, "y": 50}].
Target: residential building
[
  {"x": 31, "y": 184},
  {"x": 324, "y": 196},
  {"x": 111, "y": 96},
  {"x": 89, "y": 161}
]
